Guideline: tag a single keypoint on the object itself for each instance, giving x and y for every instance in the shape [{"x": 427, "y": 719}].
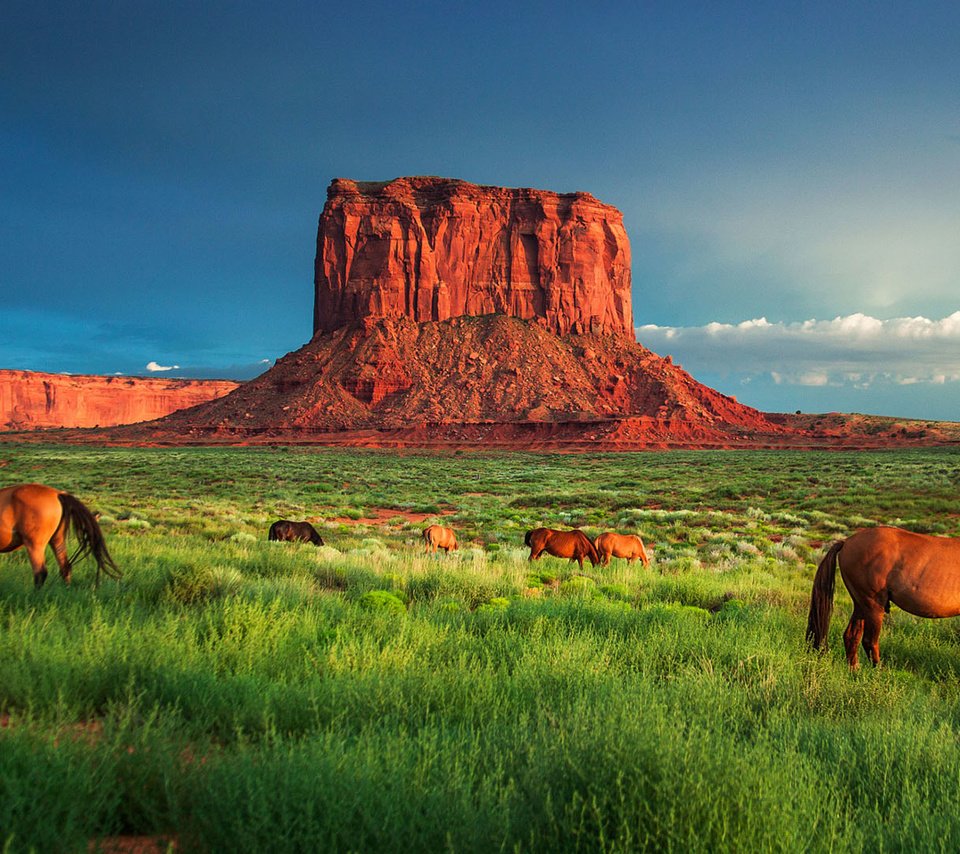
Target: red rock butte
[
  {"x": 431, "y": 249},
  {"x": 448, "y": 314}
]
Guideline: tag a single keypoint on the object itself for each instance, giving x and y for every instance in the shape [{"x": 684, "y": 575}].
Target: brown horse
[
  {"x": 629, "y": 546},
  {"x": 880, "y": 567},
  {"x": 32, "y": 515},
  {"x": 438, "y": 537},
  {"x": 575, "y": 545},
  {"x": 286, "y": 531}
]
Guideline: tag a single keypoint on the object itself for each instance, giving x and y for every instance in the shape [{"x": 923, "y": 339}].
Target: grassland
[{"x": 251, "y": 696}]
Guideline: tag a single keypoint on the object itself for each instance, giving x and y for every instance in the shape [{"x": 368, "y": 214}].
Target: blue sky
[{"x": 789, "y": 174}]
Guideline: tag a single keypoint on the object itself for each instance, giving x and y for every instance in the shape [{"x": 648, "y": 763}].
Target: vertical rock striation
[{"x": 431, "y": 249}]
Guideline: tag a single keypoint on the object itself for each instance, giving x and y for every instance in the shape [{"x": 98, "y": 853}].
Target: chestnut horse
[
  {"x": 629, "y": 546},
  {"x": 883, "y": 566},
  {"x": 32, "y": 515},
  {"x": 575, "y": 545},
  {"x": 438, "y": 537}
]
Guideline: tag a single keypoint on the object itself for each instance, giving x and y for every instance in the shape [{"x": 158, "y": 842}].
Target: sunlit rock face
[
  {"x": 431, "y": 249},
  {"x": 30, "y": 400}
]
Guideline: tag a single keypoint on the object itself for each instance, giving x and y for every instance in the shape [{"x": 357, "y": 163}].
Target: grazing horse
[
  {"x": 575, "y": 545},
  {"x": 438, "y": 537},
  {"x": 33, "y": 515},
  {"x": 294, "y": 532},
  {"x": 629, "y": 546},
  {"x": 883, "y": 566}
]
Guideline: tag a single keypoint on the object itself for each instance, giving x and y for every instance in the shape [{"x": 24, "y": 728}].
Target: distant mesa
[{"x": 31, "y": 400}]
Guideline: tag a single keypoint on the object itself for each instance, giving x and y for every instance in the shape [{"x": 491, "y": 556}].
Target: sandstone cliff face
[
  {"x": 30, "y": 400},
  {"x": 431, "y": 249}
]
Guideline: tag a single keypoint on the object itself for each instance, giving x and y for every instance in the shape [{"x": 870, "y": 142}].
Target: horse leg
[
  {"x": 852, "y": 635},
  {"x": 871, "y": 635},
  {"x": 37, "y": 563},
  {"x": 58, "y": 542}
]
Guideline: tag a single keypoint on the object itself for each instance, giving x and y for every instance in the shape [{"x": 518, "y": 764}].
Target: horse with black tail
[
  {"x": 574, "y": 544},
  {"x": 882, "y": 567},
  {"x": 33, "y": 516}
]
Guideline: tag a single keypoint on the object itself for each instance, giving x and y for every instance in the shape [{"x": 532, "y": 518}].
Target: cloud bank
[
  {"x": 153, "y": 367},
  {"x": 856, "y": 350}
]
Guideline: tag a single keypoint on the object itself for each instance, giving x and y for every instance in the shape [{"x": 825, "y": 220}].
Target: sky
[{"x": 789, "y": 174}]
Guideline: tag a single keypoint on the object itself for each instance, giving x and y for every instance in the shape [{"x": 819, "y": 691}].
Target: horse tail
[
  {"x": 89, "y": 536},
  {"x": 821, "y": 599}
]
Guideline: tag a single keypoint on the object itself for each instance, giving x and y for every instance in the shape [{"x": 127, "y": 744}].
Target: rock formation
[
  {"x": 431, "y": 249},
  {"x": 452, "y": 315},
  {"x": 442, "y": 306},
  {"x": 30, "y": 400}
]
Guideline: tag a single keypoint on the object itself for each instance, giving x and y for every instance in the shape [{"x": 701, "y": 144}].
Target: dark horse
[
  {"x": 294, "y": 532},
  {"x": 880, "y": 567},
  {"x": 32, "y": 515},
  {"x": 575, "y": 545}
]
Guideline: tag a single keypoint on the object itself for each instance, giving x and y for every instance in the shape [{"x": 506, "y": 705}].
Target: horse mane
[
  {"x": 89, "y": 536},
  {"x": 592, "y": 549}
]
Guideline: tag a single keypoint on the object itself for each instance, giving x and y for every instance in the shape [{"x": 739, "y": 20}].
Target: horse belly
[
  {"x": 932, "y": 592},
  {"x": 9, "y": 542}
]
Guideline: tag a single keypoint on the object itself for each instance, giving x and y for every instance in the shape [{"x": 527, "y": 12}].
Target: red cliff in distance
[
  {"x": 30, "y": 400},
  {"x": 431, "y": 249}
]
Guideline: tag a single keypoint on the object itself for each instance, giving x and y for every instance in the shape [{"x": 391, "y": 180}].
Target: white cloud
[
  {"x": 857, "y": 349},
  {"x": 153, "y": 367}
]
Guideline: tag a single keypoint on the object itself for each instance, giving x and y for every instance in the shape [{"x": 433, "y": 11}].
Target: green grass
[{"x": 248, "y": 695}]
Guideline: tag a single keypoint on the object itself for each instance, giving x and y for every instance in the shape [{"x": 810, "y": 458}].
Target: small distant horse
[
  {"x": 575, "y": 545},
  {"x": 883, "y": 566},
  {"x": 33, "y": 515},
  {"x": 628, "y": 546},
  {"x": 294, "y": 532},
  {"x": 438, "y": 537}
]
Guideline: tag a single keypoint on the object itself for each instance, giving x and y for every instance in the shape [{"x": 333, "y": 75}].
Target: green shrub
[{"x": 382, "y": 600}]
